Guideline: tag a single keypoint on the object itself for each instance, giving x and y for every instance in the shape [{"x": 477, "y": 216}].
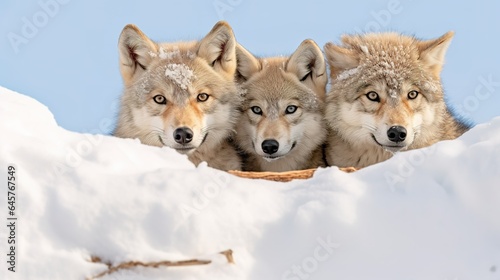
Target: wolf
[
  {"x": 386, "y": 96},
  {"x": 181, "y": 95},
  {"x": 281, "y": 127}
]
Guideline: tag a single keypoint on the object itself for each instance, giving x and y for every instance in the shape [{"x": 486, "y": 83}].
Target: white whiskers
[{"x": 370, "y": 127}]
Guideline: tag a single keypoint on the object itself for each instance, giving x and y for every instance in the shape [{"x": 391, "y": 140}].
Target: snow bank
[{"x": 426, "y": 214}]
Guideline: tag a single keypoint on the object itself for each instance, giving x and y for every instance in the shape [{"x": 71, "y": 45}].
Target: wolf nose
[
  {"x": 270, "y": 146},
  {"x": 396, "y": 133},
  {"x": 183, "y": 135}
]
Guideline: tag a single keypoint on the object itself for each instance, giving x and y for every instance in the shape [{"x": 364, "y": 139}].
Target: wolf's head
[
  {"x": 283, "y": 103},
  {"x": 179, "y": 95},
  {"x": 385, "y": 89}
]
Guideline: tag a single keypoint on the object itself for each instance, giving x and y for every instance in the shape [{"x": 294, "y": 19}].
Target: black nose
[
  {"x": 270, "y": 146},
  {"x": 183, "y": 135},
  {"x": 396, "y": 133}
]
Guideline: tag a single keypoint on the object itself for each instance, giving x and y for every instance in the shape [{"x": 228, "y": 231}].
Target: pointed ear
[
  {"x": 135, "y": 48},
  {"x": 432, "y": 52},
  {"x": 247, "y": 63},
  {"x": 218, "y": 48},
  {"x": 308, "y": 64},
  {"x": 340, "y": 59}
]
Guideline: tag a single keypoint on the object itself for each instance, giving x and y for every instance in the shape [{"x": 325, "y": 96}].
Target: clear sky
[{"x": 64, "y": 52}]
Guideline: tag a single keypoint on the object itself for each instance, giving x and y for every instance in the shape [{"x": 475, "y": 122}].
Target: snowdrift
[{"x": 424, "y": 214}]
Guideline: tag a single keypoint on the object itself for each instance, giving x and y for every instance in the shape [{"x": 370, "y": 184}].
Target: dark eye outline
[
  {"x": 202, "y": 97},
  {"x": 293, "y": 109},
  {"x": 160, "y": 99},
  {"x": 374, "y": 99},
  {"x": 256, "y": 110},
  {"x": 411, "y": 93}
]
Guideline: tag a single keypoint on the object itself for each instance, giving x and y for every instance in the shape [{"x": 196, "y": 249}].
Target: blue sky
[{"x": 64, "y": 52}]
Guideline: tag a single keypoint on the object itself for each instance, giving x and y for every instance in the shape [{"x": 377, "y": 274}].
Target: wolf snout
[
  {"x": 396, "y": 133},
  {"x": 183, "y": 135},
  {"x": 270, "y": 146}
]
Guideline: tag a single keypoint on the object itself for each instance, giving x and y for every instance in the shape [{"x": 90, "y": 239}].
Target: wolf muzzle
[
  {"x": 183, "y": 135},
  {"x": 396, "y": 134},
  {"x": 270, "y": 146}
]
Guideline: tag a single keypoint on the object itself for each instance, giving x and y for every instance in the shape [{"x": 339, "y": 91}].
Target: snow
[
  {"x": 347, "y": 73},
  {"x": 424, "y": 214},
  {"x": 365, "y": 49},
  {"x": 169, "y": 54},
  {"x": 180, "y": 74},
  {"x": 152, "y": 54}
]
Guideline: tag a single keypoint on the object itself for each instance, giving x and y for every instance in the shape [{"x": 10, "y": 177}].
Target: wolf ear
[
  {"x": 218, "y": 48},
  {"x": 308, "y": 64},
  {"x": 432, "y": 52},
  {"x": 247, "y": 63},
  {"x": 134, "y": 48},
  {"x": 340, "y": 59}
]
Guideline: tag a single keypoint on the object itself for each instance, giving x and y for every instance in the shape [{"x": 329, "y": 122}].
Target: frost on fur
[
  {"x": 169, "y": 54},
  {"x": 191, "y": 55},
  {"x": 152, "y": 54},
  {"x": 347, "y": 73},
  {"x": 391, "y": 66},
  {"x": 180, "y": 74}
]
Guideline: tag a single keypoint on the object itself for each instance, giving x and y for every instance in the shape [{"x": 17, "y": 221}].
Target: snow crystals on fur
[
  {"x": 347, "y": 73},
  {"x": 180, "y": 74},
  {"x": 391, "y": 64},
  {"x": 386, "y": 58},
  {"x": 169, "y": 54}
]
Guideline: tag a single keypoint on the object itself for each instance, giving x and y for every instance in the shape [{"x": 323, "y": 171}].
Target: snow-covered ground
[{"x": 430, "y": 214}]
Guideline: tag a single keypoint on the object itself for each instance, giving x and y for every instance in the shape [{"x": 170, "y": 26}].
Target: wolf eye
[
  {"x": 256, "y": 110},
  {"x": 291, "y": 109},
  {"x": 373, "y": 96},
  {"x": 160, "y": 99},
  {"x": 202, "y": 97},
  {"x": 412, "y": 94}
]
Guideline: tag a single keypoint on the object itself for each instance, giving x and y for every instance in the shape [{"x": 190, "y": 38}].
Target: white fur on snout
[
  {"x": 219, "y": 124},
  {"x": 356, "y": 125},
  {"x": 152, "y": 128},
  {"x": 383, "y": 128},
  {"x": 427, "y": 116},
  {"x": 148, "y": 127},
  {"x": 220, "y": 118},
  {"x": 198, "y": 135},
  {"x": 416, "y": 124},
  {"x": 364, "y": 126},
  {"x": 274, "y": 131}
]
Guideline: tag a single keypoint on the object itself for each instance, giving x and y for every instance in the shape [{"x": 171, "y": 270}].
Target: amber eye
[
  {"x": 373, "y": 96},
  {"x": 412, "y": 94},
  {"x": 256, "y": 110},
  {"x": 160, "y": 99},
  {"x": 291, "y": 109},
  {"x": 202, "y": 97}
]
